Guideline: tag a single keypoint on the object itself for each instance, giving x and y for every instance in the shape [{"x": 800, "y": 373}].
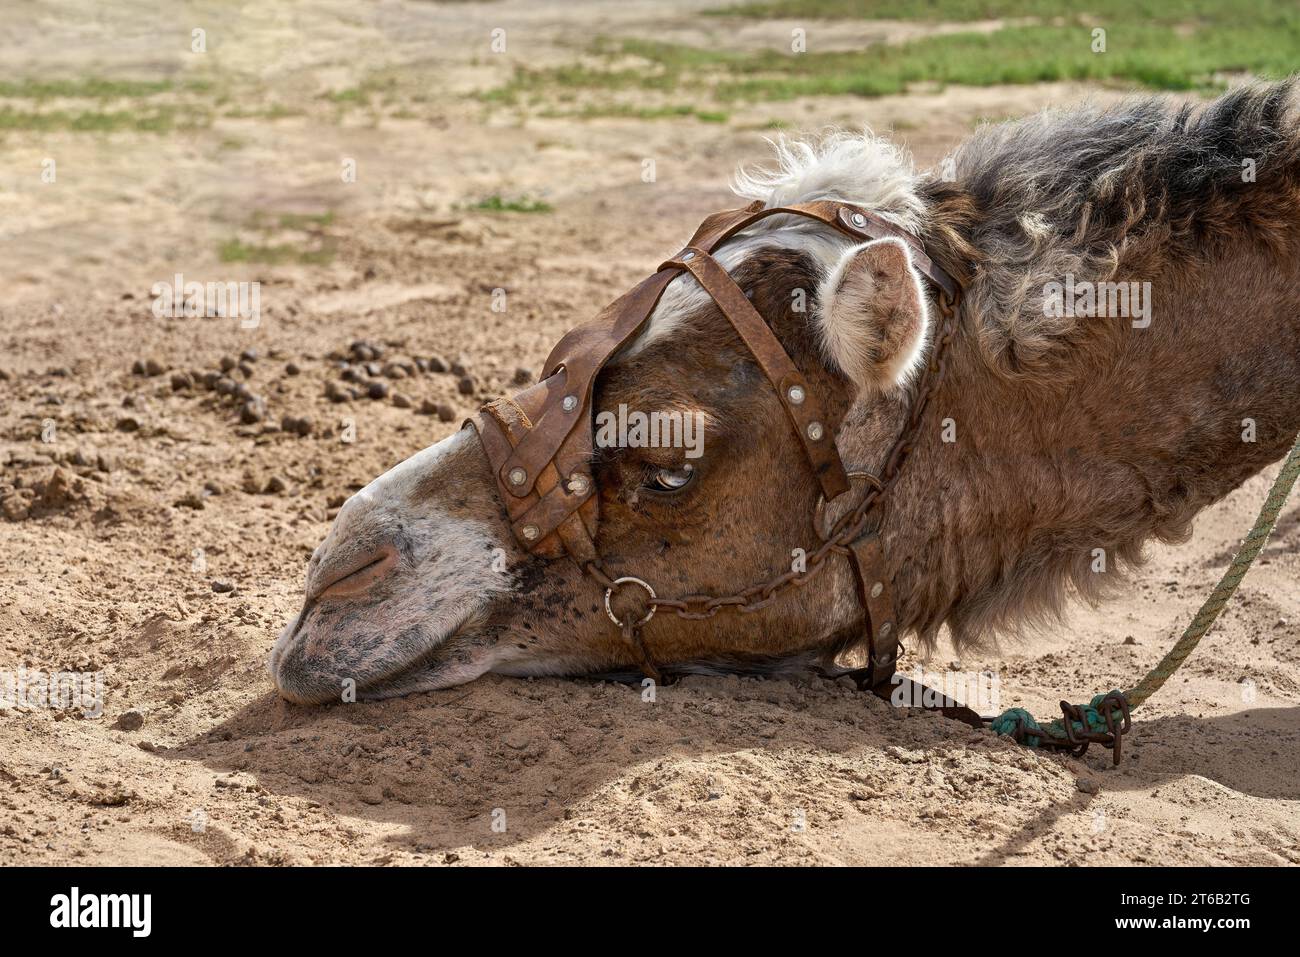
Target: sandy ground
[{"x": 122, "y": 498}]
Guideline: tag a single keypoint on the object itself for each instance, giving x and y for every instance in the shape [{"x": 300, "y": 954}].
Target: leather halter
[{"x": 540, "y": 442}]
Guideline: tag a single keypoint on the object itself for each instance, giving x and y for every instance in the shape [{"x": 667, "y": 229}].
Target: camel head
[
  {"x": 420, "y": 583},
  {"x": 1056, "y": 445}
]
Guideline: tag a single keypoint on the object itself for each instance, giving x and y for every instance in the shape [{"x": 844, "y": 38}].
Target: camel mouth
[{"x": 312, "y": 661}]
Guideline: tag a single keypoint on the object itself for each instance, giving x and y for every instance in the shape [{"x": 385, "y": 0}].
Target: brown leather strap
[
  {"x": 542, "y": 454},
  {"x": 583, "y": 352},
  {"x": 557, "y": 517},
  {"x": 912, "y": 692},
  {"x": 866, "y": 224},
  {"x": 876, "y": 592},
  {"x": 801, "y": 405}
]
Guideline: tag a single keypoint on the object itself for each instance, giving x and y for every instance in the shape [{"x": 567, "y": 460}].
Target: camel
[{"x": 1126, "y": 352}]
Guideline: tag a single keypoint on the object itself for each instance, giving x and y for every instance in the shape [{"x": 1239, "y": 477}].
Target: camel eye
[{"x": 671, "y": 480}]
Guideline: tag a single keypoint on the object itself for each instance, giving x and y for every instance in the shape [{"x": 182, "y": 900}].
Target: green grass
[
  {"x": 155, "y": 120},
  {"x": 382, "y": 84},
  {"x": 276, "y": 111},
  {"x": 95, "y": 115},
  {"x": 495, "y": 204},
  {"x": 627, "y": 111},
  {"x": 95, "y": 88},
  {"x": 1164, "y": 12},
  {"x": 315, "y": 248},
  {"x": 1169, "y": 45},
  {"x": 305, "y": 221},
  {"x": 239, "y": 251}
]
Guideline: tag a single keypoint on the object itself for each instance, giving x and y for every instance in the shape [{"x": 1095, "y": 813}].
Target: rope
[
  {"x": 1033, "y": 734},
  {"x": 1019, "y": 723},
  {"x": 1223, "y": 592}
]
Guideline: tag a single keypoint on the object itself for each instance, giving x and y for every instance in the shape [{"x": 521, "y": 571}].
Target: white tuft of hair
[{"x": 859, "y": 168}]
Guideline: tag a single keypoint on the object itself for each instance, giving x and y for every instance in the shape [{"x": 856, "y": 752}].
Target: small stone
[
  {"x": 296, "y": 425},
  {"x": 335, "y": 392},
  {"x": 153, "y": 367},
  {"x": 249, "y": 355},
  {"x": 225, "y": 386},
  {"x": 458, "y": 368},
  {"x": 252, "y": 411},
  {"x": 1087, "y": 785},
  {"x": 445, "y": 412},
  {"x": 222, "y": 587},
  {"x": 128, "y": 424},
  {"x": 131, "y": 720},
  {"x": 394, "y": 370},
  {"x": 421, "y": 365},
  {"x": 210, "y": 379},
  {"x": 228, "y": 363},
  {"x": 181, "y": 381},
  {"x": 243, "y": 392},
  {"x": 362, "y": 351},
  {"x": 377, "y": 390},
  {"x": 246, "y": 370},
  {"x": 15, "y": 507},
  {"x": 191, "y": 500},
  {"x": 374, "y": 369},
  {"x": 275, "y": 485},
  {"x": 436, "y": 364},
  {"x": 1130, "y": 640},
  {"x": 465, "y": 386},
  {"x": 291, "y": 368},
  {"x": 401, "y": 401},
  {"x": 137, "y": 367},
  {"x": 522, "y": 376}
]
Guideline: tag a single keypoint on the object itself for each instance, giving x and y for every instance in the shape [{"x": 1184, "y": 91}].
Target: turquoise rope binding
[{"x": 1007, "y": 721}]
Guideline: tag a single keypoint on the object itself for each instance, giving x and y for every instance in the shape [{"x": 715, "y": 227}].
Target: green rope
[{"x": 1008, "y": 721}]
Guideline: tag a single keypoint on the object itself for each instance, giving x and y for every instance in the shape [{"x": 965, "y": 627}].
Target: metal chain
[{"x": 847, "y": 529}]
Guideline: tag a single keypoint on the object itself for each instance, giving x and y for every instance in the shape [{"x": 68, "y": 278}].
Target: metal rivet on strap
[
  {"x": 578, "y": 483},
  {"x": 886, "y": 628},
  {"x": 796, "y": 394},
  {"x": 858, "y": 220},
  {"x": 530, "y": 532},
  {"x": 569, "y": 403},
  {"x": 687, "y": 255},
  {"x": 815, "y": 431},
  {"x": 876, "y": 589},
  {"x": 518, "y": 476}
]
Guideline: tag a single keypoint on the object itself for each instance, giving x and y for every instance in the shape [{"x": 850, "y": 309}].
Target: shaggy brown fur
[{"x": 1085, "y": 433}]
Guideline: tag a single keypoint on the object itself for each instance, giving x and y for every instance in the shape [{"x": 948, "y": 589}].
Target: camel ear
[{"x": 874, "y": 318}]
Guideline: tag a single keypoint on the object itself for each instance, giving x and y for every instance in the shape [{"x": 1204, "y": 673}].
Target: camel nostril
[{"x": 359, "y": 576}]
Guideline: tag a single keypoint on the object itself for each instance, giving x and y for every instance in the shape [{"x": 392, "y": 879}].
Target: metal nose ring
[{"x": 631, "y": 580}]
